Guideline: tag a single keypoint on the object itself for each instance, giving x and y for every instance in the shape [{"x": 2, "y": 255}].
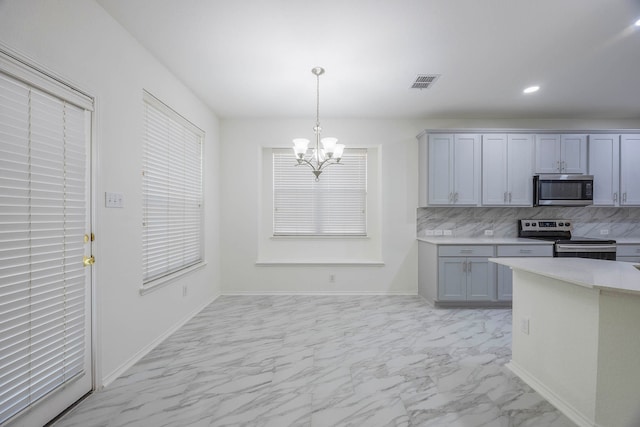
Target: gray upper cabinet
[
  {"x": 454, "y": 169},
  {"x": 630, "y": 170},
  {"x": 495, "y": 168},
  {"x": 560, "y": 153},
  {"x": 507, "y": 169},
  {"x": 613, "y": 162},
  {"x": 604, "y": 165}
]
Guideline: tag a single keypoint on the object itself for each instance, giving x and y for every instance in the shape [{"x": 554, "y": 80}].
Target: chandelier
[{"x": 318, "y": 158}]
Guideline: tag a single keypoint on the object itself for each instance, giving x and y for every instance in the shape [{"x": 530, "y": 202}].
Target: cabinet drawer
[
  {"x": 470, "y": 250},
  {"x": 525, "y": 250},
  {"x": 627, "y": 250}
]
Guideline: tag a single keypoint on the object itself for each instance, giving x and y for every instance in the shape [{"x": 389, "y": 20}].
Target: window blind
[
  {"x": 333, "y": 206},
  {"x": 172, "y": 192},
  {"x": 43, "y": 199}
]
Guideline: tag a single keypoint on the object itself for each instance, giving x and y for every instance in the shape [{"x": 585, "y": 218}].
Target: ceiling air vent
[{"x": 424, "y": 81}]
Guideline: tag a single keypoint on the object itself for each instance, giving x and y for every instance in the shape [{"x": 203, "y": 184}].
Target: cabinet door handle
[
  {"x": 509, "y": 196},
  {"x": 464, "y": 266},
  {"x": 468, "y": 266},
  {"x": 624, "y": 197},
  {"x": 525, "y": 251},
  {"x": 615, "y": 197},
  {"x": 455, "y": 197},
  {"x": 466, "y": 251},
  {"x": 504, "y": 197},
  {"x": 450, "y": 197},
  {"x": 558, "y": 166}
]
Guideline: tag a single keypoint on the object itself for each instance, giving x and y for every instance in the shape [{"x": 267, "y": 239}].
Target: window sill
[
  {"x": 314, "y": 237},
  {"x": 165, "y": 280},
  {"x": 317, "y": 263}
]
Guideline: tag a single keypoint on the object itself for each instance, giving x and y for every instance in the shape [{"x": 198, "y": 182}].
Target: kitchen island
[{"x": 576, "y": 336}]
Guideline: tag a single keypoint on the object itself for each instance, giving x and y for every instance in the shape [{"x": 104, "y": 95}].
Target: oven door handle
[{"x": 585, "y": 248}]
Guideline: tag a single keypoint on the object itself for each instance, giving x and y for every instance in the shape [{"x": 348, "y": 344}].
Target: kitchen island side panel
[
  {"x": 560, "y": 349},
  {"x": 618, "y": 396}
]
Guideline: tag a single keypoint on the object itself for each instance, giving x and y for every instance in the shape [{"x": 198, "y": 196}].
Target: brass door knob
[{"x": 87, "y": 261}]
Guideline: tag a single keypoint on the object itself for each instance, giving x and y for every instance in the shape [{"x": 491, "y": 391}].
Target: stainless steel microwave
[{"x": 562, "y": 190}]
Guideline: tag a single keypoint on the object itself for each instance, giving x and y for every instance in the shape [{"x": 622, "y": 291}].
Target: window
[
  {"x": 333, "y": 206},
  {"x": 171, "y": 192}
]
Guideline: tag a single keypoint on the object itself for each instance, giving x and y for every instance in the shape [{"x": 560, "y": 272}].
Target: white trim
[
  {"x": 320, "y": 237},
  {"x": 165, "y": 280},
  {"x": 150, "y": 99},
  {"x": 298, "y": 263},
  {"x": 569, "y": 411},
  {"x": 29, "y": 71},
  {"x": 147, "y": 349},
  {"x": 320, "y": 293}
]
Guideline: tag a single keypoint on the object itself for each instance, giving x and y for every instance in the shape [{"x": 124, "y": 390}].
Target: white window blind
[
  {"x": 172, "y": 192},
  {"x": 333, "y": 206},
  {"x": 43, "y": 196}
]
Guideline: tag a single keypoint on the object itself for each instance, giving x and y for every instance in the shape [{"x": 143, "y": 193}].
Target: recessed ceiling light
[
  {"x": 531, "y": 89},
  {"x": 638, "y": 23}
]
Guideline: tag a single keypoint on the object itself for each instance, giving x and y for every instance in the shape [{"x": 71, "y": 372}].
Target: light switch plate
[{"x": 113, "y": 200}]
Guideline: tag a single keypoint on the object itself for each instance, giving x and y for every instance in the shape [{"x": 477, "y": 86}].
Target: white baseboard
[
  {"x": 108, "y": 379},
  {"x": 319, "y": 293},
  {"x": 563, "y": 406}
]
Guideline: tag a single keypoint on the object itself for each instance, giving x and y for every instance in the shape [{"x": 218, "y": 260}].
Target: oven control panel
[{"x": 545, "y": 225}]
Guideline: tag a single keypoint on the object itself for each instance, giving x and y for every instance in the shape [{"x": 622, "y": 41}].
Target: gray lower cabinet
[
  {"x": 628, "y": 252},
  {"x": 465, "y": 273},
  {"x": 462, "y": 274},
  {"x": 505, "y": 281},
  {"x": 466, "y": 279}
]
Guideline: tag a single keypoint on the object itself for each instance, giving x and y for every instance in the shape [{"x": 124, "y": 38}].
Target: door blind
[
  {"x": 42, "y": 224},
  {"x": 172, "y": 192},
  {"x": 333, "y": 205}
]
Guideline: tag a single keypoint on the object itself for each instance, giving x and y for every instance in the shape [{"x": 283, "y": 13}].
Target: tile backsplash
[{"x": 587, "y": 221}]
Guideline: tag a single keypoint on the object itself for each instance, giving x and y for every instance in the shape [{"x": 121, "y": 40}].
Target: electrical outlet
[
  {"x": 524, "y": 325},
  {"x": 604, "y": 232},
  {"x": 488, "y": 232},
  {"x": 428, "y": 232},
  {"x": 437, "y": 232},
  {"x": 447, "y": 232},
  {"x": 184, "y": 290},
  {"x": 332, "y": 278}
]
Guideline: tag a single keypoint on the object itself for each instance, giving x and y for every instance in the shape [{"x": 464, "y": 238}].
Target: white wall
[
  {"x": 79, "y": 41},
  {"x": 243, "y": 233},
  {"x": 392, "y": 238}
]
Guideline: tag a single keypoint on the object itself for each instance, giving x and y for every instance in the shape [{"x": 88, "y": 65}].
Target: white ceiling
[{"x": 252, "y": 58}]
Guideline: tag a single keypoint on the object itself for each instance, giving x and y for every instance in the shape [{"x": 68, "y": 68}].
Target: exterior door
[{"x": 45, "y": 290}]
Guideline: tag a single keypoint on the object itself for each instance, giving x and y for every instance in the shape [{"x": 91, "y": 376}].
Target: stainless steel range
[{"x": 566, "y": 245}]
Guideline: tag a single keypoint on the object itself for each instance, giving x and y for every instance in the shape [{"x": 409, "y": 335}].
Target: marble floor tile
[{"x": 291, "y": 360}]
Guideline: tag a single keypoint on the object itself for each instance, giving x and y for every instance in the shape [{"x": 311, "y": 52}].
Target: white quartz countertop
[
  {"x": 591, "y": 273},
  {"x": 627, "y": 240},
  {"x": 440, "y": 240}
]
